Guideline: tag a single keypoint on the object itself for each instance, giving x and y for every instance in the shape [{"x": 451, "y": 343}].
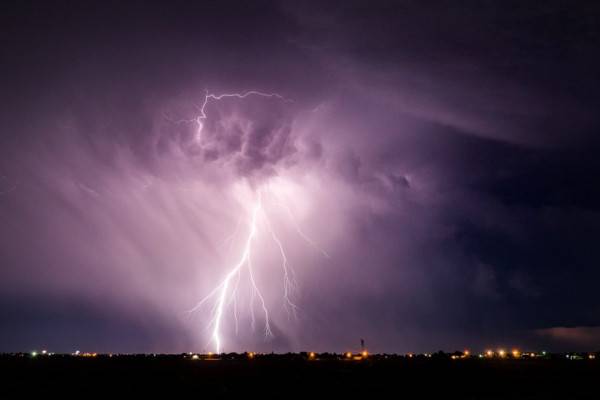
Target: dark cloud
[
  {"x": 579, "y": 337},
  {"x": 507, "y": 71}
]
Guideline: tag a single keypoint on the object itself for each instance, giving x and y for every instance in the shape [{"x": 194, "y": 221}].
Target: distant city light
[
  {"x": 491, "y": 355},
  {"x": 512, "y": 353}
]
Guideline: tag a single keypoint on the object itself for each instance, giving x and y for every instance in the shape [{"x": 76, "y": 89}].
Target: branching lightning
[
  {"x": 226, "y": 292},
  {"x": 210, "y": 96}
]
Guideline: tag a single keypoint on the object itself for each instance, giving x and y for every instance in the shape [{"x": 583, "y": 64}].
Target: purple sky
[{"x": 444, "y": 156}]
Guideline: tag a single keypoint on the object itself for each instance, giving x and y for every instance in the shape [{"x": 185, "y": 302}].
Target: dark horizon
[{"x": 423, "y": 176}]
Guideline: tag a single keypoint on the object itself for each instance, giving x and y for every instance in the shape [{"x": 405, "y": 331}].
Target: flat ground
[{"x": 296, "y": 376}]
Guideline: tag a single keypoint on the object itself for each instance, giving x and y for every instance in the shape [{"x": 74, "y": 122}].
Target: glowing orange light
[
  {"x": 502, "y": 353},
  {"x": 489, "y": 353},
  {"x": 365, "y": 353},
  {"x": 312, "y": 355},
  {"x": 348, "y": 355}
]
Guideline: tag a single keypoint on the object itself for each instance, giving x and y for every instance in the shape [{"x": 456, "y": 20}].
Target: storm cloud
[{"x": 444, "y": 157}]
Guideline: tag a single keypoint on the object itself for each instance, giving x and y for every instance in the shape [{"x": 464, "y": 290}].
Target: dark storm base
[{"x": 295, "y": 376}]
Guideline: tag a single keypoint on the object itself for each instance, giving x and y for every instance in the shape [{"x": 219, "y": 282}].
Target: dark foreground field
[{"x": 279, "y": 377}]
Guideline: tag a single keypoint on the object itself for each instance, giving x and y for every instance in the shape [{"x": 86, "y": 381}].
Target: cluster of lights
[
  {"x": 360, "y": 356},
  {"x": 499, "y": 353},
  {"x": 78, "y": 353},
  {"x": 42, "y": 353},
  {"x": 579, "y": 356},
  {"x": 208, "y": 356},
  {"x": 355, "y": 356},
  {"x": 515, "y": 353},
  {"x": 251, "y": 355}
]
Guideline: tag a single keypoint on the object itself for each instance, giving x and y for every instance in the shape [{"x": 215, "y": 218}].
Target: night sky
[{"x": 440, "y": 158}]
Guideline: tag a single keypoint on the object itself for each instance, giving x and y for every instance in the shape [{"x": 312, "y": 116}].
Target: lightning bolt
[
  {"x": 289, "y": 280},
  {"x": 226, "y": 292},
  {"x": 300, "y": 231},
  {"x": 223, "y": 289},
  {"x": 210, "y": 96}
]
